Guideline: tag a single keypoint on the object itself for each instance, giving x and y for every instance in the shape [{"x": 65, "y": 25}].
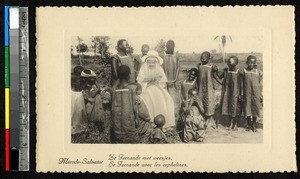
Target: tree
[
  {"x": 161, "y": 46},
  {"x": 81, "y": 48},
  {"x": 100, "y": 45},
  {"x": 222, "y": 39}
]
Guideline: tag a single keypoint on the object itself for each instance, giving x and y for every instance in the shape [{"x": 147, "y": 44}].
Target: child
[
  {"x": 76, "y": 81},
  {"x": 252, "y": 92},
  {"x": 193, "y": 120},
  {"x": 189, "y": 83},
  {"x": 78, "y": 110},
  {"x": 124, "y": 114},
  {"x": 144, "y": 126},
  {"x": 231, "y": 92},
  {"x": 158, "y": 136},
  {"x": 93, "y": 100},
  {"x": 206, "y": 88}
]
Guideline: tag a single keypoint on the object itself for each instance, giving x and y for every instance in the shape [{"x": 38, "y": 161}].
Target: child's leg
[
  {"x": 216, "y": 121},
  {"x": 248, "y": 123},
  {"x": 254, "y": 124},
  {"x": 234, "y": 123},
  {"x": 229, "y": 118},
  {"x": 212, "y": 122}
]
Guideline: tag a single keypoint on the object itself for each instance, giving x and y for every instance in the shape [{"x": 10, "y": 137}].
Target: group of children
[
  {"x": 241, "y": 95},
  {"x": 130, "y": 120}
]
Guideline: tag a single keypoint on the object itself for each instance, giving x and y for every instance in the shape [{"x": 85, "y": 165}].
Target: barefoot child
[
  {"x": 252, "y": 92},
  {"x": 206, "y": 88},
  {"x": 231, "y": 91}
]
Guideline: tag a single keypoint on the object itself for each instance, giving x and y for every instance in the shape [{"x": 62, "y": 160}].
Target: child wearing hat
[
  {"x": 93, "y": 99},
  {"x": 231, "y": 92},
  {"x": 252, "y": 92}
]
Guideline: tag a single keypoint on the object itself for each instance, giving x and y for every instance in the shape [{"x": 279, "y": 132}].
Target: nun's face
[{"x": 151, "y": 62}]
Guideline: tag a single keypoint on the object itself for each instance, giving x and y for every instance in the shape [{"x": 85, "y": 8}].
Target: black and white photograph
[{"x": 166, "y": 89}]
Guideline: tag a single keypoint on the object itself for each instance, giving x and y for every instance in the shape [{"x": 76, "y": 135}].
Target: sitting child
[
  {"x": 124, "y": 113},
  {"x": 194, "y": 124},
  {"x": 143, "y": 123},
  {"x": 189, "y": 83},
  {"x": 93, "y": 100},
  {"x": 158, "y": 136}
]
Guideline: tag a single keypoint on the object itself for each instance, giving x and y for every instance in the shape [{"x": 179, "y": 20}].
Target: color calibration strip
[
  {"x": 7, "y": 83},
  {"x": 16, "y": 89}
]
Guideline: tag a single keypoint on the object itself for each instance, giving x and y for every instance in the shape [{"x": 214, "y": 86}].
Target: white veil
[{"x": 146, "y": 73}]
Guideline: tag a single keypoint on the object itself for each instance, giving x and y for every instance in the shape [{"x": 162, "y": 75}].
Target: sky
[{"x": 186, "y": 44}]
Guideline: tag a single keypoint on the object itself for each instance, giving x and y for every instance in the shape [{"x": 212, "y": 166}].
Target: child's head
[
  {"x": 123, "y": 72},
  {"x": 193, "y": 92},
  {"x": 88, "y": 77},
  {"x": 76, "y": 83},
  {"x": 251, "y": 62},
  {"x": 170, "y": 45},
  {"x": 159, "y": 120},
  {"x": 205, "y": 57},
  {"x": 77, "y": 70},
  {"x": 193, "y": 73},
  {"x": 232, "y": 61},
  {"x": 145, "y": 49}
]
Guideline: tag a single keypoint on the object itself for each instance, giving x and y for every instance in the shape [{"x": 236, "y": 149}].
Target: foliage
[
  {"x": 161, "y": 46},
  {"x": 82, "y": 48},
  {"x": 100, "y": 46}
]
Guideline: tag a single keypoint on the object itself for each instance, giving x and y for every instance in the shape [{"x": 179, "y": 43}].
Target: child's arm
[
  {"x": 180, "y": 93},
  {"x": 177, "y": 69},
  {"x": 215, "y": 74},
  {"x": 261, "y": 84},
  {"x": 94, "y": 91},
  {"x": 241, "y": 83},
  {"x": 114, "y": 67},
  {"x": 199, "y": 105}
]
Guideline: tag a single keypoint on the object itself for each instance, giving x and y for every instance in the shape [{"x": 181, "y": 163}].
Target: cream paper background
[{"x": 56, "y": 26}]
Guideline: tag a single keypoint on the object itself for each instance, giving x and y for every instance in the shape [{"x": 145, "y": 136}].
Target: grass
[{"x": 101, "y": 134}]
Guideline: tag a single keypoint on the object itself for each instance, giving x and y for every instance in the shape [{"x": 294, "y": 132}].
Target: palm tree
[
  {"x": 222, "y": 39},
  {"x": 78, "y": 49}
]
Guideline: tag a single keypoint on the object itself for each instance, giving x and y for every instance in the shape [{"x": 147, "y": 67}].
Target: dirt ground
[{"x": 221, "y": 135}]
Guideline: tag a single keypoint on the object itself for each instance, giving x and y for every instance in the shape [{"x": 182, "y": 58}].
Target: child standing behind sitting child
[
  {"x": 206, "y": 89},
  {"x": 231, "y": 92},
  {"x": 189, "y": 83},
  {"x": 252, "y": 92}
]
